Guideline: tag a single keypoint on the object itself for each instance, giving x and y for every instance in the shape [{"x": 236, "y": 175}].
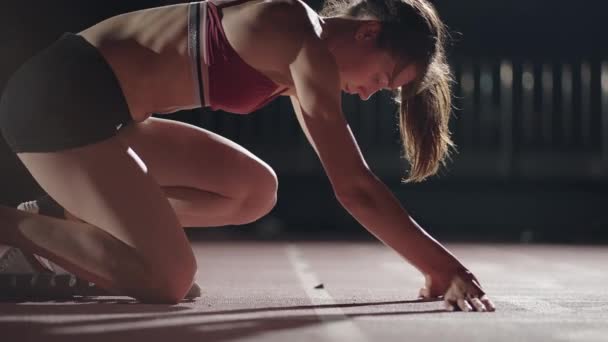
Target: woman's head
[{"x": 399, "y": 45}]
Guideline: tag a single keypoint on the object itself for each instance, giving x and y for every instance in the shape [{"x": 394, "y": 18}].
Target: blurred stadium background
[{"x": 530, "y": 122}]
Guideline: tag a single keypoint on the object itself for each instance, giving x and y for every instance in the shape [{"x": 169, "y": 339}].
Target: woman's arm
[
  {"x": 366, "y": 197},
  {"x": 317, "y": 105}
]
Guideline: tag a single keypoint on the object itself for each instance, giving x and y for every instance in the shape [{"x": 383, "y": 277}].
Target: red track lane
[{"x": 256, "y": 291}]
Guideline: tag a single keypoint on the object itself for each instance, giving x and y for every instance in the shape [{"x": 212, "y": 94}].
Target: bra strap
[{"x": 194, "y": 47}]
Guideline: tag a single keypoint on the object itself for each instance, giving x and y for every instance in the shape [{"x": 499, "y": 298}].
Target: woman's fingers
[
  {"x": 464, "y": 305},
  {"x": 479, "y": 299},
  {"x": 477, "y": 304},
  {"x": 451, "y": 297},
  {"x": 424, "y": 293},
  {"x": 466, "y": 297},
  {"x": 473, "y": 304},
  {"x": 488, "y": 303},
  {"x": 448, "y": 306}
]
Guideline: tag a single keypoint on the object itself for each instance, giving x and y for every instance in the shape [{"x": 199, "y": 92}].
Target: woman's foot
[
  {"x": 21, "y": 277},
  {"x": 50, "y": 286},
  {"x": 34, "y": 207},
  {"x": 15, "y": 261},
  {"x": 25, "y": 275}
]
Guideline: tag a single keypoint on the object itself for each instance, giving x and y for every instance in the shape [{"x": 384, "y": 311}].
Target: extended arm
[
  {"x": 365, "y": 196},
  {"x": 317, "y": 105}
]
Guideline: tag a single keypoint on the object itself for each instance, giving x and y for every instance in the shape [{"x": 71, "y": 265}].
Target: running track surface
[{"x": 265, "y": 291}]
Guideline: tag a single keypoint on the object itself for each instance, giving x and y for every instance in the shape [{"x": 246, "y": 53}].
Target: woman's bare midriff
[{"x": 148, "y": 52}]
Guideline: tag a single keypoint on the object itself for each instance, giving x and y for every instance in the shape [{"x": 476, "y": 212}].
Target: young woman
[{"x": 78, "y": 115}]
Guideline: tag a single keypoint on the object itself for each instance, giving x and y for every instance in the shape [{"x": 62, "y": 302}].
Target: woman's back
[{"x": 143, "y": 48}]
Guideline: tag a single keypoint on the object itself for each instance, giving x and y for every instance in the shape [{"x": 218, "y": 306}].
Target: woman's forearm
[{"x": 379, "y": 211}]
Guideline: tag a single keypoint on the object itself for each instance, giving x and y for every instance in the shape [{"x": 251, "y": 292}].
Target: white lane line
[{"x": 338, "y": 326}]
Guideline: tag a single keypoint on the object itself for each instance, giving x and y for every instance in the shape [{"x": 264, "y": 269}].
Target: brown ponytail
[{"x": 423, "y": 123}]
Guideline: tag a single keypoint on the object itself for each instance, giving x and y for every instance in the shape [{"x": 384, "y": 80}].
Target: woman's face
[{"x": 365, "y": 69}]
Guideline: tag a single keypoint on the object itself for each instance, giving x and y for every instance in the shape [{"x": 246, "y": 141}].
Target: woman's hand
[{"x": 459, "y": 288}]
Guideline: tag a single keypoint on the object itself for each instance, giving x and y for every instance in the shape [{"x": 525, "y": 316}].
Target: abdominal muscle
[{"x": 148, "y": 52}]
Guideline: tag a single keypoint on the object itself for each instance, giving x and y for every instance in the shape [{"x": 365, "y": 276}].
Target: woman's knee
[
  {"x": 260, "y": 201},
  {"x": 170, "y": 281}
]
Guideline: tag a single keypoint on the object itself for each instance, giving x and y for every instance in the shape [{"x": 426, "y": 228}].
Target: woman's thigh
[
  {"x": 105, "y": 184},
  {"x": 180, "y": 154}
]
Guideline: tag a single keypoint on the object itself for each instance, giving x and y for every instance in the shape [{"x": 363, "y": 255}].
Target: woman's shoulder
[
  {"x": 294, "y": 18},
  {"x": 276, "y": 30}
]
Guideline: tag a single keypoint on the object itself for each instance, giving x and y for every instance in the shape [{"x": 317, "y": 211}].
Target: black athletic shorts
[{"x": 65, "y": 96}]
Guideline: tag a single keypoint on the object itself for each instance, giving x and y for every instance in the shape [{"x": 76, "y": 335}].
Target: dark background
[{"x": 531, "y": 126}]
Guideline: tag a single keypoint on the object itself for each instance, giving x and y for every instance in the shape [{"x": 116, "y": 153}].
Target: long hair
[{"x": 413, "y": 32}]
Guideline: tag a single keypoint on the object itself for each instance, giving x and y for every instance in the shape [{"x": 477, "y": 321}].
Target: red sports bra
[{"x": 234, "y": 86}]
